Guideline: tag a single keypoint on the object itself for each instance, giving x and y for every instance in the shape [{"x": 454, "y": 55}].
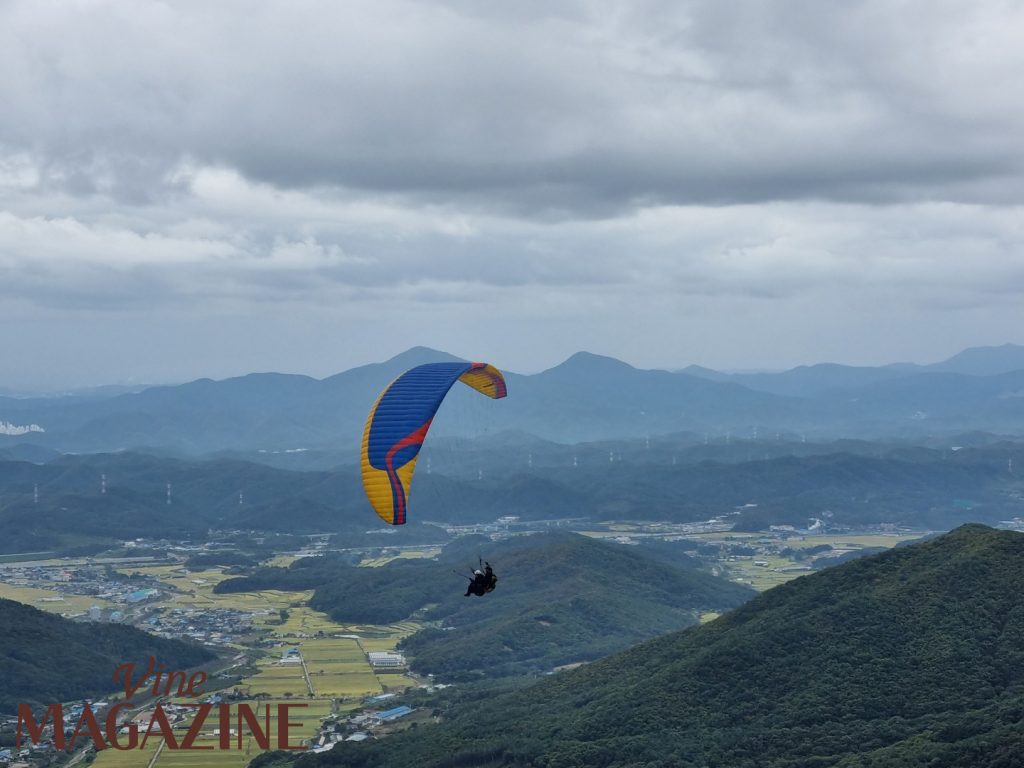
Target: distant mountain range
[
  {"x": 823, "y": 378},
  {"x": 585, "y": 398},
  {"x": 911, "y": 657}
]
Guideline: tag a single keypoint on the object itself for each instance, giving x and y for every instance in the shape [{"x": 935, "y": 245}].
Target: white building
[{"x": 385, "y": 659}]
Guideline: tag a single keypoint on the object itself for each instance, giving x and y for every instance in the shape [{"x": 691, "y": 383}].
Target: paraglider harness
[{"x": 483, "y": 581}]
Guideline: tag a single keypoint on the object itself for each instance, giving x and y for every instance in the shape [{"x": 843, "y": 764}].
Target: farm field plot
[
  {"x": 50, "y": 600},
  {"x": 335, "y": 650},
  {"x": 405, "y": 554},
  {"x": 762, "y": 577},
  {"x": 852, "y": 542},
  {"x": 386, "y": 643},
  {"x": 320, "y": 667},
  {"x": 779, "y": 570},
  {"x": 36, "y": 558},
  {"x": 302, "y": 620},
  {"x": 210, "y": 758},
  {"x": 133, "y": 758},
  {"x": 337, "y": 667},
  {"x": 276, "y": 679},
  {"x": 339, "y": 685},
  {"x": 180, "y": 577},
  {"x": 396, "y": 682},
  {"x": 195, "y": 590}
]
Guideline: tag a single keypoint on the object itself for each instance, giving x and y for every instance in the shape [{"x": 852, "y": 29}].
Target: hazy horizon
[{"x": 28, "y": 391}]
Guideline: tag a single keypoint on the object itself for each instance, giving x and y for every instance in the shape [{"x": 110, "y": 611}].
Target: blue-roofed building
[{"x": 389, "y": 715}]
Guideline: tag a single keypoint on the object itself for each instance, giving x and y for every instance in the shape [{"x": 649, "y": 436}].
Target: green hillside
[
  {"x": 572, "y": 599},
  {"x": 561, "y": 598},
  {"x": 911, "y": 657},
  {"x": 47, "y": 659}
]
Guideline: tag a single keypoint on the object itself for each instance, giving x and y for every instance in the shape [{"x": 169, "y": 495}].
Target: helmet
[{"x": 478, "y": 572}]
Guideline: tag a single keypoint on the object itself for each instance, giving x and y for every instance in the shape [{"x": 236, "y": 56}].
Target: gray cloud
[
  {"x": 593, "y": 109},
  {"x": 212, "y": 188}
]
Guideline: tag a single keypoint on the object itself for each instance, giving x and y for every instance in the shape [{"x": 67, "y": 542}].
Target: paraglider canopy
[{"x": 398, "y": 424}]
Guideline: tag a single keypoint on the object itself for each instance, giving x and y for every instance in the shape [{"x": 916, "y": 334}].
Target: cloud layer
[{"x": 603, "y": 175}]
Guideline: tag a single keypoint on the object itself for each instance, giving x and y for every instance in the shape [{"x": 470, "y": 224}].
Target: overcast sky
[{"x": 207, "y": 189}]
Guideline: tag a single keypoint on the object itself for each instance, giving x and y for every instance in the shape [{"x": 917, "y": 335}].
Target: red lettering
[
  {"x": 197, "y": 724},
  {"x": 164, "y": 682},
  {"x": 35, "y": 732},
  {"x": 156, "y": 680},
  {"x": 262, "y": 736},
  {"x": 171, "y": 677},
  {"x": 225, "y": 726},
  {"x": 95, "y": 733},
  {"x": 191, "y": 690},
  {"x": 126, "y": 670},
  {"x": 133, "y": 729},
  {"x": 160, "y": 718},
  {"x": 283, "y": 725}
]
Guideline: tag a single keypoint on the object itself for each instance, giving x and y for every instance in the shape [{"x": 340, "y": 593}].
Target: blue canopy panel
[{"x": 398, "y": 424}]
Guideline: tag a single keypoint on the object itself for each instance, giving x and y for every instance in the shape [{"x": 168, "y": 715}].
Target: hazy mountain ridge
[
  {"x": 984, "y": 361},
  {"x": 587, "y": 397}
]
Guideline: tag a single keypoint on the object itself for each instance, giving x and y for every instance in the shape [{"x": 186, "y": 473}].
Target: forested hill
[
  {"x": 561, "y": 598},
  {"x": 72, "y": 509},
  {"x": 860, "y": 484},
  {"x": 911, "y": 657},
  {"x": 570, "y": 599},
  {"x": 47, "y": 659}
]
